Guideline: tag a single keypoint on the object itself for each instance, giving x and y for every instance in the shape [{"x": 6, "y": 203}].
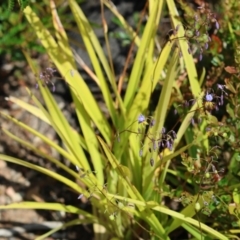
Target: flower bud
[
  {"x": 197, "y": 206},
  {"x": 225, "y": 135},
  {"x": 111, "y": 217},
  {"x": 207, "y": 175}
]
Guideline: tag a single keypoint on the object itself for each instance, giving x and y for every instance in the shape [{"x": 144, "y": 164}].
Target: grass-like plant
[{"x": 131, "y": 156}]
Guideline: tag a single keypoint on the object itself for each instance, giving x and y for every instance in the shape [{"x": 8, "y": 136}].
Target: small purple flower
[
  {"x": 197, "y": 33},
  {"x": 220, "y": 86},
  {"x": 168, "y": 144},
  {"x": 209, "y": 97},
  {"x": 175, "y": 111},
  {"x": 80, "y": 196},
  {"x": 200, "y": 57},
  {"x": 141, "y": 118},
  {"x": 216, "y": 25}
]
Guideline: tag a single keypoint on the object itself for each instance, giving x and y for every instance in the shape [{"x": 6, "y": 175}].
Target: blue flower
[
  {"x": 209, "y": 97},
  {"x": 141, "y": 118}
]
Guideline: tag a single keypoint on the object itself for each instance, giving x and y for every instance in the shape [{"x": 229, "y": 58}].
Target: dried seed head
[
  {"x": 151, "y": 162},
  {"x": 152, "y": 122},
  {"x": 174, "y": 135}
]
